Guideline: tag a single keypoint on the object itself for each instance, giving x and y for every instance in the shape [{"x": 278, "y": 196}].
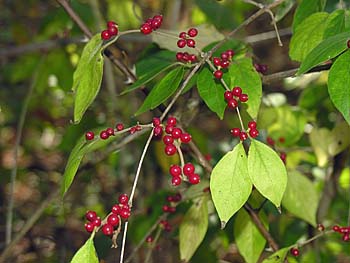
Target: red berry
[
  {"x": 228, "y": 95},
  {"x": 192, "y": 58},
  {"x": 224, "y": 64},
  {"x": 224, "y": 56},
  {"x": 348, "y": 43},
  {"x": 125, "y": 213},
  {"x": 97, "y": 221},
  {"x": 181, "y": 43},
  {"x": 346, "y": 237},
  {"x": 194, "y": 179},
  {"x": 116, "y": 209},
  {"x": 171, "y": 209},
  {"x": 235, "y": 132},
  {"x": 230, "y": 53},
  {"x": 218, "y": 74},
  {"x": 243, "y": 97},
  {"x": 123, "y": 199},
  {"x": 146, "y": 28},
  {"x": 167, "y": 139},
  {"x": 107, "y": 229},
  {"x": 294, "y": 252},
  {"x": 232, "y": 104},
  {"x": 175, "y": 170},
  {"x": 158, "y": 18},
  {"x": 217, "y": 61},
  {"x": 169, "y": 198},
  {"x": 237, "y": 91},
  {"x": 157, "y": 131},
  {"x": 149, "y": 239},
  {"x": 192, "y": 32},
  {"x": 170, "y": 149},
  {"x": 104, "y": 135},
  {"x": 183, "y": 35},
  {"x": 177, "y": 197},
  {"x": 320, "y": 227},
  {"x": 91, "y": 215},
  {"x": 270, "y": 141},
  {"x": 179, "y": 56},
  {"x": 344, "y": 230},
  {"x": 113, "y": 31},
  {"x": 105, "y": 35},
  {"x": 336, "y": 228},
  {"x": 185, "y": 137},
  {"x": 190, "y": 42},
  {"x": 119, "y": 126},
  {"x": 113, "y": 220},
  {"x": 169, "y": 129},
  {"x": 156, "y": 24},
  {"x": 243, "y": 136},
  {"x": 89, "y": 136},
  {"x": 171, "y": 121},
  {"x": 132, "y": 130},
  {"x": 186, "y": 57},
  {"x": 165, "y": 208},
  {"x": 89, "y": 227},
  {"x": 156, "y": 121},
  {"x": 111, "y": 24},
  {"x": 176, "y": 180},
  {"x": 283, "y": 157},
  {"x": 168, "y": 228},
  {"x": 253, "y": 133},
  {"x": 188, "y": 169},
  {"x": 176, "y": 133},
  {"x": 252, "y": 125},
  {"x": 110, "y": 131}
]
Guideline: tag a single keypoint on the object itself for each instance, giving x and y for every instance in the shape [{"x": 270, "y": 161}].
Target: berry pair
[
  {"x": 232, "y": 97},
  {"x": 185, "y": 57},
  {"x": 261, "y": 68},
  {"x": 222, "y": 62},
  {"x": 187, "y": 170},
  {"x": 253, "y": 132},
  {"x": 186, "y": 40},
  {"x": 151, "y": 24},
  {"x": 345, "y": 231},
  {"x": 94, "y": 221},
  {"x": 112, "y": 30},
  {"x": 165, "y": 225}
]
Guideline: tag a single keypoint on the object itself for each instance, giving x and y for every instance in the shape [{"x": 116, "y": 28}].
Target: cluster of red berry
[
  {"x": 345, "y": 231},
  {"x": 172, "y": 199},
  {"x": 261, "y": 68},
  {"x": 271, "y": 142},
  {"x": 294, "y": 251},
  {"x": 112, "y": 30},
  {"x": 166, "y": 225},
  {"x": 93, "y": 221},
  {"x": 186, "y": 40},
  {"x": 187, "y": 171},
  {"x": 105, "y": 134},
  {"x": 185, "y": 57},
  {"x": 231, "y": 97},
  {"x": 222, "y": 62},
  {"x": 151, "y": 24},
  {"x": 253, "y": 132}
]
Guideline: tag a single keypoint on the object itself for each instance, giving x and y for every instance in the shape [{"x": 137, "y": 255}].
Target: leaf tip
[
  {"x": 279, "y": 209},
  {"x": 223, "y": 224}
]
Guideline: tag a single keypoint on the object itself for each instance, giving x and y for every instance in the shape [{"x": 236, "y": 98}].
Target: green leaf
[
  {"x": 193, "y": 228},
  {"x": 211, "y": 91},
  {"x": 326, "y": 50},
  {"x": 267, "y": 171},
  {"x": 307, "y": 36},
  {"x": 163, "y": 90},
  {"x": 243, "y": 74},
  {"x": 320, "y": 140},
  {"x": 283, "y": 9},
  {"x": 250, "y": 242},
  {"x": 339, "y": 83},
  {"x": 340, "y": 139},
  {"x": 278, "y": 257},
  {"x": 230, "y": 185},
  {"x": 301, "y": 198},
  {"x": 335, "y": 24},
  {"x": 305, "y": 9},
  {"x": 87, "y": 253},
  {"x": 81, "y": 148},
  {"x": 87, "y": 77}
]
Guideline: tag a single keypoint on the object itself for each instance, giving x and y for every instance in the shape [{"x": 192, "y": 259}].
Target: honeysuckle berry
[
  {"x": 192, "y": 32},
  {"x": 224, "y": 64},
  {"x": 110, "y": 131},
  {"x": 185, "y": 137},
  {"x": 177, "y": 197},
  {"x": 165, "y": 208},
  {"x": 171, "y": 121},
  {"x": 237, "y": 91},
  {"x": 89, "y": 227},
  {"x": 183, "y": 35},
  {"x": 113, "y": 219},
  {"x": 270, "y": 141},
  {"x": 243, "y": 97},
  {"x": 188, "y": 169},
  {"x": 149, "y": 239},
  {"x": 243, "y": 136},
  {"x": 175, "y": 170},
  {"x": 179, "y": 56},
  {"x": 171, "y": 209},
  {"x": 252, "y": 125},
  {"x": 230, "y": 53},
  {"x": 186, "y": 57},
  {"x": 176, "y": 180},
  {"x": 132, "y": 130},
  {"x": 261, "y": 68},
  {"x": 336, "y": 228},
  {"x": 218, "y": 74},
  {"x": 111, "y": 24},
  {"x": 235, "y": 132},
  {"x": 169, "y": 128},
  {"x": 232, "y": 103},
  {"x": 89, "y": 136},
  {"x": 192, "y": 57},
  {"x": 167, "y": 139},
  {"x": 90, "y": 215},
  {"x": 228, "y": 95},
  {"x": 346, "y": 237},
  {"x": 170, "y": 149},
  {"x": 224, "y": 56},
  {"x": 217, "y": 61},
  {"x": 156, "y": 121},
  {"x": 176, "y": 133},
  {"x": 194, "y": 178},
  {"x": 283, "y": 157},
  {"x": 294, "y": 251},
  {"x": 157, "y": 131},
  {"x": 253, "y": 133},
  {"x": 181, "y": 43},
  {"x": 155, "y": 24},
  {"x": 344, "y": 230},
  {"x": 119, "y": 126},
  {"x": 123, "y": 199},
  {"x": 97, "y": 221},
  {"x": 104, "y": 135},
  {"x": 191, "y": 43},
  {"x": 116, "y": 209},
  {"x": 320, "y": 227},
  {"x": 105, "y": 35},
  {"x": 107, "y": 229},
  {"x": 113, "y": 31},
  {"x": 146, "y": 28},
  {"x": 125, "y": 213}
]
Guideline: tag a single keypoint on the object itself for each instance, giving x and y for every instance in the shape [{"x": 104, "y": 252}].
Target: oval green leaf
[
  {"x": 326, "y": 50},
  {"x": 193, "y": 228},
  {"x": 244, "y": 75},
  {"x": 339, "y": 83},
  {"x": 267, "y": 172},
  {"x": 87, "y": 77},
  {"x": 212, "y": 92},
  {"x": 305, "y": 9},
  {"x": 250, "y": 242},
  {"x": 230, "y": 185},
  {"x": 307, "y": 36},
  {"x": 335, "y": 23},
  {"x": 87, "y": 253},
  {"x": 163, "y": 90},
  {"x": 301, "y": 198},
  {"x": 278, "y": 257}
]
